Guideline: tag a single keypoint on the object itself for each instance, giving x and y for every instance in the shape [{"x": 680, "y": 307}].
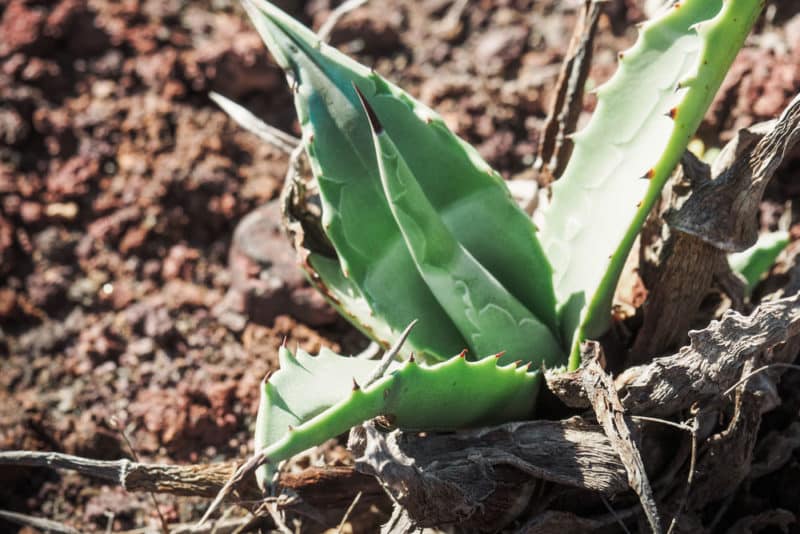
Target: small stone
[{"x": 62, "y": 210}]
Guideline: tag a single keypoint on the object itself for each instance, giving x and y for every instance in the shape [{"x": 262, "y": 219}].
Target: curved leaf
[
  {"x": 312, "y": 399},
  {"x": 644, "y": 119},
  {"x": 489, "y": 317},
  {"x": 471, "y": 198}
]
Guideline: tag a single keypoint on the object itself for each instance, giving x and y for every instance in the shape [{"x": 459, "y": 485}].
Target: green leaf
[
  {"x": 326, "y": 276},
  {"x": 471, "y": 199},
  {"x": 645, "y": 117},
  {"x": 752, "y": 264},
  {"x": 312, "y": 399},
  {"x": 489, "y": 317}
]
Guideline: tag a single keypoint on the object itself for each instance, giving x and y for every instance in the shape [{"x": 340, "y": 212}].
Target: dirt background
[{"x": 125, "y": 300}]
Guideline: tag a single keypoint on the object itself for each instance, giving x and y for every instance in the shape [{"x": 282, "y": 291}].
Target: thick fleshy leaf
[
  {"x": 645, "y": 117},
  {"x": 489, "y": 317},
  {"x": 326, "y": 275},
  {"x": 312, "y": 399},
  {"x": 471, "y": 198}
]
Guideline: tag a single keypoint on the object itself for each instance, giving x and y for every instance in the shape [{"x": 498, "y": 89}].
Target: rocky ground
[{"x": 124, "y": 306}]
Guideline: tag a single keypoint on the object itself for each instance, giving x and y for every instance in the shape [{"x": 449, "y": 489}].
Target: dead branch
[
  {"x": 725, "y": 458},
  {"x": 722, "y": 212},
  {"x": 483, "y": 478},
  {"x": 707, "y": 213},
  {"x": 184, "y": 480},
  {"x": 711, "y": 363},
  {"x": 556, "y": 146},
  {"x": 701, "y": 371},
  {"x": 331, "y": 488},
  {"x": 610, "y": 414},
  {"x": 47, "y": 525},
  {"x": 228, "y": 526}
]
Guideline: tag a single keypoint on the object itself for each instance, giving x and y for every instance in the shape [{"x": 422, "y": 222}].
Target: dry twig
[
  {"x": 611, "y": 415},
  {"x": 556, "y": 145},
  {"x": 347, "y": 513},
  {"x": 47, "y": 525}
]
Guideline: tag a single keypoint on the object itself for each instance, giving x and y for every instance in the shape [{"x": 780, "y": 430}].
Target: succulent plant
[
  {"x": 423, "y": 229},
  {"x": 645, "y": 117}
]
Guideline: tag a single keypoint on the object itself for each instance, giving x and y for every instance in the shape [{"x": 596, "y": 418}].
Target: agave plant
[{"x": 424, "y": 230}]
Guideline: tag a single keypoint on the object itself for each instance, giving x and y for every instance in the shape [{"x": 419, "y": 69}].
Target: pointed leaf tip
[{"x": 376, "y": 125}]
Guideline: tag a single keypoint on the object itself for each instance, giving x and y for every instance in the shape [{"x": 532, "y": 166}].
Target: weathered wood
[
  {"x": 562, "y": 121},
  {"x": 711, "y": 363},
  {"x": 483, "y": 478},
  {"x": 707, "y": 213},
  {"x": 329, "y": 488},
  {"x": 610, "y": 414}
]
